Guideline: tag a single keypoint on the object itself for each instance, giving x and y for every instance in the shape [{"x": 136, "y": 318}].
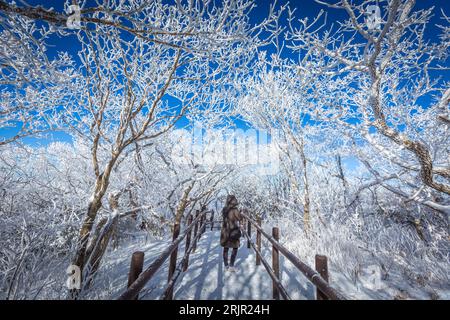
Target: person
[{"x": 230, "y": 232}]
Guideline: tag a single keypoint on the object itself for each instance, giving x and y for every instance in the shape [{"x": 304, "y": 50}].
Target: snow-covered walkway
[{"x": 206, "y": 278}]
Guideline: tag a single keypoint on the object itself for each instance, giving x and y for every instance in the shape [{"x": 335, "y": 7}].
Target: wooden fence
[
  {"x": 318, "y": 277},
  {"x": 138, "y": 278}
]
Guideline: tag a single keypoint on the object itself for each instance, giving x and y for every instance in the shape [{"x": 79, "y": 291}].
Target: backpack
[
  {"x": 235, "y": 234},
  {"x": 234, "y": 231}
]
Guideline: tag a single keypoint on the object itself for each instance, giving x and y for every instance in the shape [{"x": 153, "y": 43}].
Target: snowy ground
[{"x": 206, "y": 278}]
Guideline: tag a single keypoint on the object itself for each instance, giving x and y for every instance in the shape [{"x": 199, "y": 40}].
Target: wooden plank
[
  {"x": 173, "y": 259},
  {"x": 197, "y": 215},
  {"x": 258, "y": 243},
  {"x": 275, "y": 263},
  {"x": 136, "y": 266},
  {"x": 322, "y": 269},
  {"x": 188, "y": 243},
  {"x": 212, "y": 219},
  {"x": 249, "y": 232}
]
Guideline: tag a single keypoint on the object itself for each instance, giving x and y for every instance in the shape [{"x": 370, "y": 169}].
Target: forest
[{"x": 119, "y": 119}]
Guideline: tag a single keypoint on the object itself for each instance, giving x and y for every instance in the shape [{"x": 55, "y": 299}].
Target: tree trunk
[
  {"x": 101, "y": 185},
  {"x": 85, "y": 232},
  {"x": 306, "y": 198},
  {"x": 183, "y": 204},
  {"x": 422, "y": 153},
  {"x": 103, "y": 234},
  {"x": 342, "y": 178}
]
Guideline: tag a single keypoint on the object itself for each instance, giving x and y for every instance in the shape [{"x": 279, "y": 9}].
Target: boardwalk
[
  {"x": 190, "y": 267},
  {"x": 206, "y": 278}
]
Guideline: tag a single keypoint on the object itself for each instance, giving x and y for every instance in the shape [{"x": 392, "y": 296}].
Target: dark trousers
[{"x": 232, "y": 258}]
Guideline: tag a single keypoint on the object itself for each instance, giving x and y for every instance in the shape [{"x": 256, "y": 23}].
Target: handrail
[
  {"x": 200, "y": 222},
  {"x": 269, "y": 270},
  {"x": 309, "y": 273},
  {"x": 146, "y": 275},
  {"x": 179, "y": 268}
]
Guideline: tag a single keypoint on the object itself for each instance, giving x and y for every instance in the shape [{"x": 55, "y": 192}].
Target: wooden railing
[
  {"x": 137, "y": 278},
  {"x": 318, "y": 277}
]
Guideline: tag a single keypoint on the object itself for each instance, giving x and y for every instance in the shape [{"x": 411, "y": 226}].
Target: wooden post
[
  {"x": 136, "y": 265},
  {"x": 249, "y": 232},
  {"x": 173, "y": 259},
  {"x": 322, "y": 269},
  {"x": 203, "y": 223},
  {"x": 212, "y": 219},
  {"x": 258, "y": 242},
  {"x": 194, "y": 245},
  {"x": 188, "y": 243},
  {"x": 275, "y": 263}
]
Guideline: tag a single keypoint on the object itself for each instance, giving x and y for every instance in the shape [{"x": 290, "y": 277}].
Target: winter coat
[{"x": 231, "y": 218}]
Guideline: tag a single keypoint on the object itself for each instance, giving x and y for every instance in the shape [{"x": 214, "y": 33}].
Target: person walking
[{"x": 230, "y": 232}]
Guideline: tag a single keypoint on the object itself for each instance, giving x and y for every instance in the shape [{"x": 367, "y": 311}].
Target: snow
[
  {"x": 344, "y": 148},
  {"x": 206, "y": 278}
]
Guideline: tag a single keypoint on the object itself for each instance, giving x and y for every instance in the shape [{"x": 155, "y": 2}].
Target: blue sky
[{"x": 304, "y": 8}]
